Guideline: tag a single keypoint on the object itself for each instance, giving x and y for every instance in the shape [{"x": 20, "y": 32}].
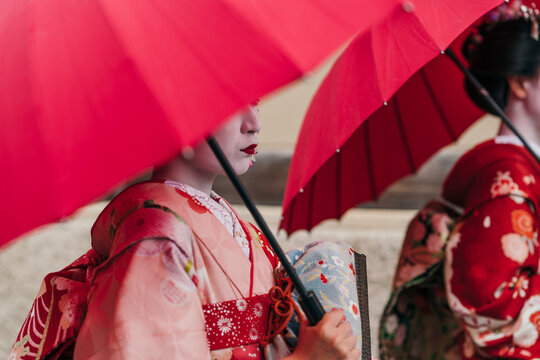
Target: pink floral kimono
[{"x": 166, "y": 279}]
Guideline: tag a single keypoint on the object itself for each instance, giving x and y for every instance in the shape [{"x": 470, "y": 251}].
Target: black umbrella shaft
[
  {"x": 309, "y": 302},
  {"x": 482, "y": 91}
]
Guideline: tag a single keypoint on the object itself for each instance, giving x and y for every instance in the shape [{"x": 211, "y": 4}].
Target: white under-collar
[{"x": 513, "y": 139}]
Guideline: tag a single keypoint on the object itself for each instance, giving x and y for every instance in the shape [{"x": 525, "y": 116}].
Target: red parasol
[
  {"x": 94, "y": 92},
  {"x": 371, "y": 123}
]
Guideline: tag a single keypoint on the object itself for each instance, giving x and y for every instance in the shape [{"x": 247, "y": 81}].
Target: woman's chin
[{"x": 242, "y": 167}]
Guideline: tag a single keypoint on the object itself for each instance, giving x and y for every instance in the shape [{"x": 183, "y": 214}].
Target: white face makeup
[{"x": 238, "y": 140}]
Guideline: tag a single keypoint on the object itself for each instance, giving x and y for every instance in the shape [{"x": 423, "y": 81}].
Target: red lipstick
[{"x": 251, "y": 149}]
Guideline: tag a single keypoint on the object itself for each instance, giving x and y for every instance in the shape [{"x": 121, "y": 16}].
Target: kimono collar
[{"x": 469, "y": 166}]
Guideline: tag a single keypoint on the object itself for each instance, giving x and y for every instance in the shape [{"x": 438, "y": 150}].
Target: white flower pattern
[
  {"x": 224, "y": 325},
  {"x": 241, "y": 304},
  {"x": 503, "y": 184},
  {"x": 253, "y": 334},
  {"x": 257, "y": 310}
]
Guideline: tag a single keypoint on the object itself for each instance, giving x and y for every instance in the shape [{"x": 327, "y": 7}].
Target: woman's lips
[{"x": 250, "y": 150}]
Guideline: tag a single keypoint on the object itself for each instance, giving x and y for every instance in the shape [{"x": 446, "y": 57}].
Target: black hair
[{"x": 496, "y": 52}]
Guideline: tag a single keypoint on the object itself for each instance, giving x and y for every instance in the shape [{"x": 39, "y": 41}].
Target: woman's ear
[{"x": 519, "y": 86}]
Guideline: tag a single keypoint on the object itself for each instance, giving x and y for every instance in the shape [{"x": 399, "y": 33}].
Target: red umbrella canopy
[
  {"x": 372, "y": 122},
  {"x": 94, "y": 92}
]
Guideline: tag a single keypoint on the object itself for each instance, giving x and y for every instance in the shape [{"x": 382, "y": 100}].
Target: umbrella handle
[
  {"x": 360, "y": 264},
  {"x": 483, "y": 92},
  {"x": 308, "y": 301}
]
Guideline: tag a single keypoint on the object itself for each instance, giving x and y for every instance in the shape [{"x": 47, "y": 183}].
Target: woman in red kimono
[
  {"x": 174, "y": 273},
  {"x": 487, "y": 266}
]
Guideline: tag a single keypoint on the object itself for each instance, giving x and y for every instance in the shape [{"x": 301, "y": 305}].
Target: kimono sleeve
[
  {"x": 144, "y": 304},
  {"x": 491, "y": 266}
]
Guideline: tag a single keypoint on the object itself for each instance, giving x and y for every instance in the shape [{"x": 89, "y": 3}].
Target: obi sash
[
  {"x": 253, "y": 320},
  {"x": 236, "y": 323}
]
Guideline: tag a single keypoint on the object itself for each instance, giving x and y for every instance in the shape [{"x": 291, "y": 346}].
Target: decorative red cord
[{"x": 282, "y": 307}]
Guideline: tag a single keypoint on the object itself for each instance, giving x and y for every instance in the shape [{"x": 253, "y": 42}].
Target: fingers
[
  {"x": 333, "y": 318},
  {"x": 349, "y": 342},
  {"x": 355, "y": 354},
  {"x": 345, "y": 327}
]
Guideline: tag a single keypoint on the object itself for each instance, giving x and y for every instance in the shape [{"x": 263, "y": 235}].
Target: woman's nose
[{"x": 250, "y": 121}]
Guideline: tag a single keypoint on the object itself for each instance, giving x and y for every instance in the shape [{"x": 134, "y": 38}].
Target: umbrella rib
[
  {"x": 311, "y": 196},
  {"x": 437, "y": 104},
  {"x": 399, "y": 121},
  {"x": 338, "y": 184},
  {"x": 369, "y": 162},
  {"x": 291, "y": 213}
]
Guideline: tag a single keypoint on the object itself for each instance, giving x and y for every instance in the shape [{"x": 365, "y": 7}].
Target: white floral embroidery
[
  {"x": 487, "y": 222},
  {"x": 257, "y": 310},
  {"x": 224, "y": 325},
  {"x": 253, "y": 334},
  {"x": 527, "y": 334},
  {"x": 241, "y": 304},
  {"x": 529, "y": 179},
  {"x": 519, "y": 285},
  {"x": 504, "y": 185},
  {"x": 476, "y": 326},
  {"x": 514, "y": 247},
  {"x": 527, "y": 354}
]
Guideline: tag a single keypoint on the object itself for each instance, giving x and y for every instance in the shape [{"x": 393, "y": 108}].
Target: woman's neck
[
  {"x": 181, "y": 171},
  {"x": 523, "y": 121}
]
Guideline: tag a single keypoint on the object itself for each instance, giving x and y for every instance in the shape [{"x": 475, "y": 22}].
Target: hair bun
[{"x": 504, "y": 44}]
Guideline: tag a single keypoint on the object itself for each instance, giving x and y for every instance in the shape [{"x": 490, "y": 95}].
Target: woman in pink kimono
[{"x": 174, "y": 273}]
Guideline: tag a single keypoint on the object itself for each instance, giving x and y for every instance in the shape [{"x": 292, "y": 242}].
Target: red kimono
[{"x": 491, "y": 269}]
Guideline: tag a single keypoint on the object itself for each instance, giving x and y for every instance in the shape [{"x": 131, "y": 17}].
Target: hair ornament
[
  {"x": 513, "y": 10},
  {"x": 508, "y": 11}
]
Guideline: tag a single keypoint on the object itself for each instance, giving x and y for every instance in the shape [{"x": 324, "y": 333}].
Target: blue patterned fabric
[{"x": 327, "y": 268}]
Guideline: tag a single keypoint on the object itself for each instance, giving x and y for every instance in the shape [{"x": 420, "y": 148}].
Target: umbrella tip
[
  {"x": 408, "y": 6},
  {"x": 187, "y": 152}
]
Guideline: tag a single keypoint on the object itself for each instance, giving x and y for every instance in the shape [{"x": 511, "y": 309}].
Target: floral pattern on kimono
[
  {"x": 167, "y": 282},
  {"x": 57, "y": 312},
  {"x": 476, "y": 297},
  {"x": 417, "y": 322},
  {"x": 492, "y": 259},
  {"x": 328, "y": 270},
  {"x": 161, "y": 259}
]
